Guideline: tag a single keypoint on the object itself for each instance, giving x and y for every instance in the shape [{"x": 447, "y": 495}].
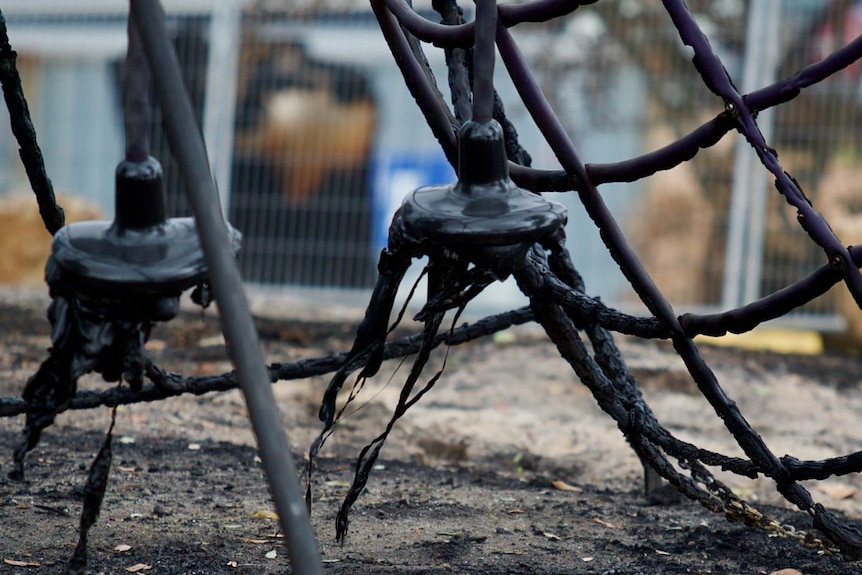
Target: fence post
[
  {"x": 744, "y": 253},
  {"x": 221, "y": 88}
]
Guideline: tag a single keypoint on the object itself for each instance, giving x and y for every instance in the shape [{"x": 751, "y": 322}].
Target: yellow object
[{"x": 777, "y": 340}]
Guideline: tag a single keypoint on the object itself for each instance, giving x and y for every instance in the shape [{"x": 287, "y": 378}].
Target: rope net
[
  {"x": 543, "y": 268},
  {"x": 545, "y": 273}
]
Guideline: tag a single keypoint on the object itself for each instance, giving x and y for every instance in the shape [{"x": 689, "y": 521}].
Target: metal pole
[
  {"x": 770, "y": 38},
  {"x": 221, "y": 86},
  {"x": 240, "y": 334},
  {"x": 749, "y": 182}
]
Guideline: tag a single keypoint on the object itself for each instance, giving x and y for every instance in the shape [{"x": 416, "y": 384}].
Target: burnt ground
[{"x": 509, "y": 468}]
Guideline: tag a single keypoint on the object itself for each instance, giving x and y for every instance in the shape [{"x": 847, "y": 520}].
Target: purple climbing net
[{"x": 468, "y": 252}]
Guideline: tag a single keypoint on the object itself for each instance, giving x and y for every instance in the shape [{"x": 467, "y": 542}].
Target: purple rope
[
  {"x": 715, "y": 76},
  {"x": 709, "y": 133},
  {"x": 461, "y": 35},
  {"x": 438, "y": 116},
  {"x": 633, "y": 270},
  {"x": 787, "y": 89},
  {"x": 738, "y": 113},
  {"x": 538, "y": 180},
  {"x": 539, "y": 11},
  {"x": 483, "y": 60}
]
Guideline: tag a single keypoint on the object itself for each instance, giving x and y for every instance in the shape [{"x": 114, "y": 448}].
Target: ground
[{"x": 505, "y": 467}]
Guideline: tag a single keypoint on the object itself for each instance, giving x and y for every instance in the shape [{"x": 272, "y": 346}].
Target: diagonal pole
[{"x": 240, "y": 334}]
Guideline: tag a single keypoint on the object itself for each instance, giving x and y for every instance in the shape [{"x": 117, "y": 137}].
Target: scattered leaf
[
  {"x": 504, "y": 337},
  {"x": 127, "y": 440},
  {"x": 265, "y": 514},
  {"x": 254, "y": 541},
  {"x": 212, "y": 341},
  {"x": 122, "y": 548},
  {"x": 660, "y": 552},
  {"x": 157, "y": 344},
  {"x": 604, "y": 523},
  {"x": 194, "y": 446},
  {"x": 786, "y": 572},
  {"x": 208, "y": 368},
  {"x": 838, "y": 490},
  {"x": 337, "y": 483},
  {"x": 515, "y": 511},
  {"x": 137, "y": 567},
  {"x": 552, "y": 536},
  {"x": 15, "y": 563},
  {"x": 762, "y": 390},
  {"x": 563, "y": 486},
  {"x": 271, "y": 554},
  {"x": 126, "y": 469},
  {"x": 232, "y": 564},
  {"x": 332, "y": 560},
  {"x": 587, "y": 559}
]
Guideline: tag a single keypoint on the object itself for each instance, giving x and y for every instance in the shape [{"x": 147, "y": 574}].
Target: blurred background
[{"x": 314, "y": 139}]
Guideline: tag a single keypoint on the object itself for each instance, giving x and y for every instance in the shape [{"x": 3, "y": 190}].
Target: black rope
[
  {"x": 556, "y": 292},
  {"x": 164, "y": 385},
  {"x": 25, "y": 133}
]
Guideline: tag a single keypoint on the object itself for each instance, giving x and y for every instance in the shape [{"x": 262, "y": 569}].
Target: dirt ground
[{"x": 506, "y": 467}]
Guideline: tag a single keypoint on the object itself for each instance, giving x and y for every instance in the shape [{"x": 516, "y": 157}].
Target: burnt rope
[
  {"x": 622, "y": 253},
  {"x": 618, "y": 396},
  {"x": 746, "y": 437},
  {"x": 94, "y": 495},
  {"x": 459, "y": 66},
  {"x": 440, "y": 120},
  {"x": 22, "y": 127},
  {"x": 444, "y": 270},
  {"x": 622, "y": 404},
  {"x": 457, "y": 62},
  {"x": 165, "y": 385},
  {"x": 629, "y": 263},
  {"x": 559, "y": 268},
  {"x": 665, "y": 158},
  {"x": 406, "y": 399},
  {"x": 586, "y": 309},
  {"x": 188, "y": 148},
  {"x": 716, "y": 78},
  {"x": 823, "y": 469}
]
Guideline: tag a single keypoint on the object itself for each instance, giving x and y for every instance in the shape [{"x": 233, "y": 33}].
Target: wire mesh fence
[{"x": 314, "y": 140}]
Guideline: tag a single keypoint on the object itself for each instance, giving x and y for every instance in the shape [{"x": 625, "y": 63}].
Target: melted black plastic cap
[
  {"x": 139, "y": 195},
  {"x": 482, "y": 153}
]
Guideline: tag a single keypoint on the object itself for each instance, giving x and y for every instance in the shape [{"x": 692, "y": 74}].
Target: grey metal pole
[
  {"x": 771, "y": 41},
  {"x": 745, "y": 234},
  {"x": 221, "y": 91},
  {"x": 187, "y": 145}
]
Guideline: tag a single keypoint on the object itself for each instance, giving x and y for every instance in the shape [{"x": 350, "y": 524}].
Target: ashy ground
[{"x": 506, "y": 467}]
